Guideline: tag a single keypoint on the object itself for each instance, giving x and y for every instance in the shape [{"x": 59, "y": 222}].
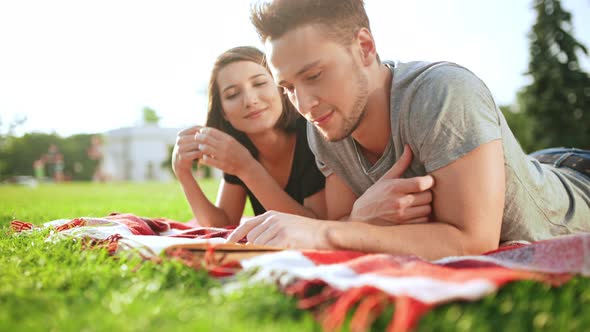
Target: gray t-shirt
[{"x": 443, "y": 111}]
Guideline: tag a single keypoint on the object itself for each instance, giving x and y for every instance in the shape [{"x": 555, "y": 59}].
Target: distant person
[
  {"x": 39, "y": 169},
  {"x": 257, "y": 139},
  {"x": 58, "y": 166},
  {"x": 50, "y": 159},
  {"x": 386, "y": 131},
  {"x": 95, "y": 153}
]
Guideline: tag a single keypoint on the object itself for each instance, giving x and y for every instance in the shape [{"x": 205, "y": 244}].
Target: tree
[
  {"x": 521, "y": 126},
  {"x": 150, "y": 116},
  {"x": 17, "y": 155},
  {"x": 558, "y": 97}
]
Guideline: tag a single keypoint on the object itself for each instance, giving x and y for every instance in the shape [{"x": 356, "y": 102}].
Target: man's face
[{"x": 322, "y": 78}]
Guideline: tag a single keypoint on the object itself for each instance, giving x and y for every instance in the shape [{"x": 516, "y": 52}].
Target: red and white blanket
[
  {"x": 372, "y": 281},
  {"x": 367, "y": 282}
]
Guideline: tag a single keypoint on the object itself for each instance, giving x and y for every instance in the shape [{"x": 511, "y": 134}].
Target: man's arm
[
  {"x": 391, "y": 200},
  {"x": 339, "y": 198},
  {"x": 468, "y": 205}
]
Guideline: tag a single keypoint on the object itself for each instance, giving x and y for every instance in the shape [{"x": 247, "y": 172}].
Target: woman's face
[{"x": 250, "y": 99}]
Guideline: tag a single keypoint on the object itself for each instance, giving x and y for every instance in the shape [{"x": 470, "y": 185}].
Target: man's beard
[{"x": 352, "y": 121}]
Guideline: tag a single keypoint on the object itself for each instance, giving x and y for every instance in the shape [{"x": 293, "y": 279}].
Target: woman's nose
[{"x": 251, "y": 98}]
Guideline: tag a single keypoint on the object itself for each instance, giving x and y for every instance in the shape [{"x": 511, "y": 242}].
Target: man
[{"x": 365, "y": 116}]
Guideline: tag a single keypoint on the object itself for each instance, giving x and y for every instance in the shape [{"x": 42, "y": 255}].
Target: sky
[{"x": 80, "y": 66}]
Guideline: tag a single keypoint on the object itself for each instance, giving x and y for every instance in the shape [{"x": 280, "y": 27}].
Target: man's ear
[{"x": 368, "y": 52}]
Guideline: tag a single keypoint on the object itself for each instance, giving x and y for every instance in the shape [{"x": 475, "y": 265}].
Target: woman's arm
[
  {"x": 231, "y": 198},
  {"x": 273, "y": 197},
  {"x": 222, "y": 151}
]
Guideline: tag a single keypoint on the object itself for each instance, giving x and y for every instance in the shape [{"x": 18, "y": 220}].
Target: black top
[{"x": 304, "y": 180}]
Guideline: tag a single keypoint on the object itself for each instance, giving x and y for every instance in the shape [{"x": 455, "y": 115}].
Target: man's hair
[{"x": 340, "y": 19}]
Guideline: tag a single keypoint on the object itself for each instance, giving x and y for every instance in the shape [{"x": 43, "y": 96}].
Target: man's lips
[{"x": 323, "y": 119}]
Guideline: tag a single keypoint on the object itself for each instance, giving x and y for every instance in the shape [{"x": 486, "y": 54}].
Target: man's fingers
[
  {"x": 417, "y": 220},
  {"x": 416, "y": 212},
  {"x": 413, "y": 185},
  {"x": 244, "y": 229},
  {"x": 400, "y": 166},
  {"x": 261, "y": 235},
  {"x": 189, "y": 131},
  {"x": 423, "y": 198}
]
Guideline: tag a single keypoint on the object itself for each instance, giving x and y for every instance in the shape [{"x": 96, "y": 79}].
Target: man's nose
[{"x": 305, "y": 100}]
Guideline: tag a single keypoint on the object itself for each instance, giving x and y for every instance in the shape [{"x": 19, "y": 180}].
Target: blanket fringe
[
  {"x": 332, "y": 305},
  {"x": 408, "y": 312},
  {"x": 111, "y": 243},
  {"x": 18, "y": 226},
  {"x": 216, "y": 265},
  {"x": 78, "y": 222}
]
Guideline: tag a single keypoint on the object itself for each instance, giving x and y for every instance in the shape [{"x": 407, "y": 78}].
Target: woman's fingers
[
  {"x": 194, "y": 146},
  {"x": 191, "y": 155},
  {"x": 190, "y": 131},
  {"x": 208, "y": 136},
  {"x": 207, "y": 160}
]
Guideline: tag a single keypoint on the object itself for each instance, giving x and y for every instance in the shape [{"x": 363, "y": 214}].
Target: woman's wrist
[
  {"x": 250, "y": 171},
  {"x": 184, "y": 174}
]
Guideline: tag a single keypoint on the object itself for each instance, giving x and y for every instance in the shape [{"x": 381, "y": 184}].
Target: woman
[{"x": 257, "y": 139}]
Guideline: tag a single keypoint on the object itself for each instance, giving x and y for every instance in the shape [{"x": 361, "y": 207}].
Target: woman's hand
[
  {"x": 224, "y": 152},
  {"x": 186, "y": 151}
]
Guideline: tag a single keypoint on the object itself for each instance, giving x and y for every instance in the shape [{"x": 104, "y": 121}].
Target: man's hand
[
  {"x": 395, "y": 200},
  {"x": 186, "y": 151},
  {"x": 283, "y": 230}
]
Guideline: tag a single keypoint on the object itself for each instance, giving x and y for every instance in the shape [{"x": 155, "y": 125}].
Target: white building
[{"x": 138, "y": 153}]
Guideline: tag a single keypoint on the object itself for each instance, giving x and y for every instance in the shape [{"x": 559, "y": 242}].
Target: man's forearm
[{"x": 431, "y": 240}]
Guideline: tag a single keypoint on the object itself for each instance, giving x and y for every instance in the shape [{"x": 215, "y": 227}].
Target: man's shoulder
[{"x": 432, "y": 73}]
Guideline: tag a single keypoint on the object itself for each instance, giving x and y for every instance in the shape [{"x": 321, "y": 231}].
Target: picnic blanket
[
  {"x": 124, "y": 231},
  {"x": 364, "y": 282}
]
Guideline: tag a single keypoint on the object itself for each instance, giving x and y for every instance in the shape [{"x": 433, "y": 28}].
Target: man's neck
[{"x": 374, "y": 130}]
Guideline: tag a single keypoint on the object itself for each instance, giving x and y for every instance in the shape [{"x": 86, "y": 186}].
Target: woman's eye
[
  {"x": 314, "y": 76},
  {"x": 259, "y": 83},
  {"x": 232, "y": 96}
]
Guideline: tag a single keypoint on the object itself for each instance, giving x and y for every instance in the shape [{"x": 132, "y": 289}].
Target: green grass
[{"x": 59, "y": 287}]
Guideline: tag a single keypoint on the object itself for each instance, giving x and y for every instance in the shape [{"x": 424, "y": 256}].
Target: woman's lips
[{"x": 254, "y": 114}]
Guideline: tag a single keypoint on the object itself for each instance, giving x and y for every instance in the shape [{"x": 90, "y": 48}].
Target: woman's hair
[{"x": 215, "y": 115}]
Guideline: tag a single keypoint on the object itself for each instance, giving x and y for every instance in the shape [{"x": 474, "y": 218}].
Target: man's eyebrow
[
  {"x": 234, "y": 85},
  {"x": 302, "y": 70}
]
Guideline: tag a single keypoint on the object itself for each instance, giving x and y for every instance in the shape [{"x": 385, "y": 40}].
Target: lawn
[{"x": 59, "y": 287}]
